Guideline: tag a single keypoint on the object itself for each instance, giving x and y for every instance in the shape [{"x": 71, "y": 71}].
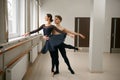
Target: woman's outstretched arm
[{"x": 34, "y": 31}]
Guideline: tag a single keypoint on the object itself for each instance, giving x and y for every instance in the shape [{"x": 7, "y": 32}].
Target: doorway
[
  {"x": 82, "y": 25},
  {"x": 115, "y": 35}
]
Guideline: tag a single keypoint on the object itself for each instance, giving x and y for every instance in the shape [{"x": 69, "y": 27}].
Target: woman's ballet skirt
[{"x": 54, "y": 40}]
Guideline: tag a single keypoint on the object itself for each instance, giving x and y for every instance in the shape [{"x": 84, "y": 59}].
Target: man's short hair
[{"x": 58, "y": 16}]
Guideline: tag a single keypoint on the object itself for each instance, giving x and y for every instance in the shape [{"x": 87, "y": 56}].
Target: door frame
[
  {"x": 113, "y": 50},
  {"x": 76, "y": 29}
]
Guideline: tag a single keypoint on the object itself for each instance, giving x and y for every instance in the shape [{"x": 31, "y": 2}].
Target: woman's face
[
  {"x": 47, "y": 18},
  {"x": 56, "y": 20}
]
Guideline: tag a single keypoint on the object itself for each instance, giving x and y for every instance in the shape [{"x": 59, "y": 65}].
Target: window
[
  {"x": 12, "y": 18},
  {"x": 22, "y": 17},
  {"x": 16, "y": 18},
  {"x": 34, "y": 15}
]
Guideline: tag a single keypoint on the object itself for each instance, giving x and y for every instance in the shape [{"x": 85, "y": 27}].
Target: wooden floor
[{"x": 40, "y": 70}]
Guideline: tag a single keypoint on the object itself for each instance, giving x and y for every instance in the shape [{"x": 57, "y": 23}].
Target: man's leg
[
  {"x": 63, "y": 53},
  {"x": 70, "y": 46}
]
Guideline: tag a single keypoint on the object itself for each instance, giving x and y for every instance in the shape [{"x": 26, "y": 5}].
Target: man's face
[{"x": 57, "y": 20}]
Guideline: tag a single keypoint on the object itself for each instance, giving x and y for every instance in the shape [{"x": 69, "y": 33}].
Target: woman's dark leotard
[
  {"x": 46, "y": 30},
  {"x": 54, "y": 40}
]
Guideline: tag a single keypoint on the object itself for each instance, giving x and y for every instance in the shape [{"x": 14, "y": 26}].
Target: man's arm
[
  {"x": 71, "y": 35},
  {"x": 74, "y": 33}
]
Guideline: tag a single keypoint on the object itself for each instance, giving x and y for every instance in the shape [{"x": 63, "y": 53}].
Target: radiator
[
  {"x": 18, "y": 70},
  {"x": 33, "y": 54}
]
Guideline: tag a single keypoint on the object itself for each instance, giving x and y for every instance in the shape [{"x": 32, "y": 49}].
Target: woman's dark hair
[
  {"x": 59, "y": 17},
  {"x": 50, "y": 16}
]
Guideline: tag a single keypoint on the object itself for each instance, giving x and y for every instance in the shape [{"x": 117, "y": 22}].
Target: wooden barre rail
[
  {"x": 17, "y": 58},
  {"x": 14, "y": 46}
]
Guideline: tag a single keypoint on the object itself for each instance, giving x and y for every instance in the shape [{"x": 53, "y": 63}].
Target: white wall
[
  {"x": 68, "y": 9},
  {"x": 112, "y": 10}
]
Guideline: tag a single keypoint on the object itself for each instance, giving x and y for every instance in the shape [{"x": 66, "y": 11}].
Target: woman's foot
[
  {"x": 72, "y": 72},
  {"x": 52, "y": 73}
]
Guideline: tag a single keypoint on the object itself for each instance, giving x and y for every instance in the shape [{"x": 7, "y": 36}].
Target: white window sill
[
  {"x": 21, "y": 38},
  {"x": 16, "y": 39}
]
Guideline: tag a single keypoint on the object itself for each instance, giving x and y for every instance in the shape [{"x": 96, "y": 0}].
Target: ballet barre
[
  {"x": 18, "y": 57},
  {"x": 22, "y": 54},
  {"x": 14, "y": 46}
]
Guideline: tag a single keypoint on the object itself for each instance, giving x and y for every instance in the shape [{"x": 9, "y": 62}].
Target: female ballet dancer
[{"x": 62, "y": 47}]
